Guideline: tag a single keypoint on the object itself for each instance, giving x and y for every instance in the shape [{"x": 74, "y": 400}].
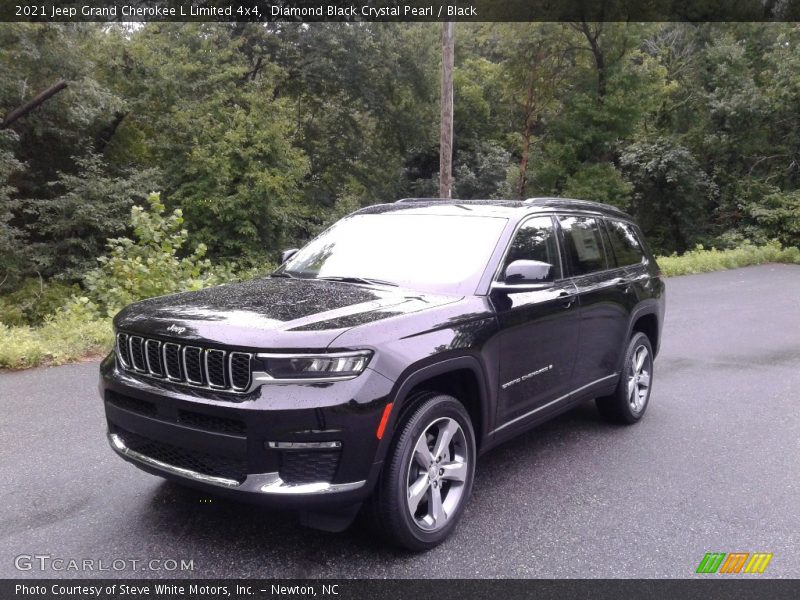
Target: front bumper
[
  {"x": 305, "y": 446},
  {"x": 266, "y": 483}
]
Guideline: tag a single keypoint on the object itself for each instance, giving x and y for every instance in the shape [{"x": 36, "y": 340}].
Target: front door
[{"x": 538, "y": 335}]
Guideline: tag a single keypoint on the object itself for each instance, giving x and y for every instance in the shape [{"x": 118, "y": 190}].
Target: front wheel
[
  {"x": 629, "y": 401},
  {"x": 428, "y": 475}
]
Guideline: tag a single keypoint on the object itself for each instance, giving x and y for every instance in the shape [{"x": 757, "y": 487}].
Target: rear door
[
  {"x": 606, "y": 299},
  {"x": 538, "y": 334}
]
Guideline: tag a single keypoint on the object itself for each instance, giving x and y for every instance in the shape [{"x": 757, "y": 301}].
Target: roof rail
[
  {"x": 539, "y": 199},
  {"x": 423, "y": 200},
  {"x": 588, "y": 204}
]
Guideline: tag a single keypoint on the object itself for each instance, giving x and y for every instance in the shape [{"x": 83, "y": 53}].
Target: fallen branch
[{"x": 33, "y": 104}]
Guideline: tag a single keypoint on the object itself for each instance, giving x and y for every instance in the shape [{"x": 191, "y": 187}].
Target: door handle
[
  {"x": 566, "y": 299},
  {"x": 623, "y": 283}
]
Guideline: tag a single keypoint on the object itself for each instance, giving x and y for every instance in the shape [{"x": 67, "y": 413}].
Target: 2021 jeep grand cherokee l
[{"x": 377, "y": 362}]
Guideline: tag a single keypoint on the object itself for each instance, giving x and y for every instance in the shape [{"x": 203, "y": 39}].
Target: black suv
[{"x": 378, "y": 361}]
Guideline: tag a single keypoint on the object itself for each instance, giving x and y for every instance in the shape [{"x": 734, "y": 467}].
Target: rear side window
[
  {"x": 625, "y": 243},
  {"x": 584, "y": 247},
  {"x": 536, "y": 240}
]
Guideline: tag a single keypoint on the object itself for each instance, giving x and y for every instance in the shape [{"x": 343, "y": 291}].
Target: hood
[{"x": 273, "y": 313}]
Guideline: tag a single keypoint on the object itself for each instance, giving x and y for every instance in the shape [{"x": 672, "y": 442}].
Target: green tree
[
  {"x": 672, "y": 193},
  {"x": 213, "y": 124},
  {"x": 367, "y": 105},
  {"x": 9, "y": 234},
  {"x": 53, "y": 165},
  {"x": 87, "y": 208}
]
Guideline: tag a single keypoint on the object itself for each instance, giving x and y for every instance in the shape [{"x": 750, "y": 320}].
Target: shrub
[
  {"x": 778, "y": 214},
  {"x": 34, "y": 300},
  {"x": 154, "y": 263}
]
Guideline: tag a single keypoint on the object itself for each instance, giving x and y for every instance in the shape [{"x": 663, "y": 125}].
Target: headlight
[{"x": 338, "y": 365}]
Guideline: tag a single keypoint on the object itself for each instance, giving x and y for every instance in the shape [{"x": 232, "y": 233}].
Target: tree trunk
[
  {"x": 599, "y": 58},
  {"x": 446, "y": 132},
  {"x": 527, "y": 128}
]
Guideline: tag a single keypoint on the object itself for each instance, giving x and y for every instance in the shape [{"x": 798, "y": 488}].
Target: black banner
[
  {"x": 401, "y": 10},
  {"x": 395, "y": 589}
]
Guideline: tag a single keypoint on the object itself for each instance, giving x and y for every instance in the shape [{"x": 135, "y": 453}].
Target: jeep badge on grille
[{"x": 175, "y": 329}]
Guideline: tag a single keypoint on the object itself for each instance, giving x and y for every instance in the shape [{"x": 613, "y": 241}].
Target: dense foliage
[{"x": 260, "y": 134}]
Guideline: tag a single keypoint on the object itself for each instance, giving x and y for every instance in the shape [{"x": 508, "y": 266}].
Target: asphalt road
[{"x": 714, "y": 466}]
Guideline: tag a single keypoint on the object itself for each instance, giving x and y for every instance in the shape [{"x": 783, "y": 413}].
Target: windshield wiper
[
  {"x": 284, "y": 274},
  {"x": 366, "y": 280}
]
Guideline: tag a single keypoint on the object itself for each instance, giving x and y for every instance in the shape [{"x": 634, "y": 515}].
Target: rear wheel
[
  {"x": 428, "y": 475},
  {"x": 629, "y": 401}
]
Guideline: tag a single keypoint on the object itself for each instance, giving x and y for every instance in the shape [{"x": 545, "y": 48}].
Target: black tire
[
  {"x": 628, "y": 404},
  {"x": 390, "y": 505}
]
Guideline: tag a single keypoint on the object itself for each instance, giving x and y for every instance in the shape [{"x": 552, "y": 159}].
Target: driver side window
[{"x": 536, "y": 240}]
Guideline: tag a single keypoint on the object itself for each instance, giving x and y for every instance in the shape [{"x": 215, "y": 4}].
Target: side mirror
[
  {"x": 287, "y": 254},
  {"x": 524, "y": 276},
  {"x": 527, "y": 271}
]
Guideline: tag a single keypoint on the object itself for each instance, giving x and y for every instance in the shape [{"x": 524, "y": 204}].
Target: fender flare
[
  {"x": 648, "y": 307},
  {"x": 417, "y": 374}
]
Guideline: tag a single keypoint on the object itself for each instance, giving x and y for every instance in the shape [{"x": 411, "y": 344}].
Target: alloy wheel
[
  {"x": 436, "y": 474},
  {"x": 639, "y": 379}
]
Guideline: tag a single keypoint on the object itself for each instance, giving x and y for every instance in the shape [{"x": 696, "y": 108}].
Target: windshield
[{"x": 434, "y": 253}]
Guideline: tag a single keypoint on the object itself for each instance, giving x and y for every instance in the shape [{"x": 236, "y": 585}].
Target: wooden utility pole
[{"x": 446, "y": 133}]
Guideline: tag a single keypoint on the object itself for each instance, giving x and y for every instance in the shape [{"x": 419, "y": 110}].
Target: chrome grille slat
[
  {"x": 195, "y": 366},
  {"x": 239, "y": 370},
  {"x": 215, "y": 368},
  {"x": 136, "y": 344},
  {"x": 172, "y": 361},
  {"x": 152, "y": 355},
  {"x": 123, "y": 351}
]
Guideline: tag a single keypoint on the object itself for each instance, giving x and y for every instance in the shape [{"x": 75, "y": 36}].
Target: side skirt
[{"x": 545, "y": 412}]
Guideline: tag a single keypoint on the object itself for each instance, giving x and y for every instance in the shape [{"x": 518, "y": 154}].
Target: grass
[
  {"x": 701, "y": 260},
  {"x": 62, "y": 339},
  {"x": 69, "y": 337}
]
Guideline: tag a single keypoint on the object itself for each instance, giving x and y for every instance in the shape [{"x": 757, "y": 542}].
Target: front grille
[
  {"x": 199, "y": 462},
  {"x": 192, "y": 365},
  {"x": 308, "y": 466}
]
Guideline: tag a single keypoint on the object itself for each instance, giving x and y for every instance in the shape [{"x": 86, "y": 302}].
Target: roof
[{"x": 492, "y": 208}]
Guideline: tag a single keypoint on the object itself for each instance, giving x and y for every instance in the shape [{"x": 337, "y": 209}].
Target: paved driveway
[{"x": 714, "y": 466}]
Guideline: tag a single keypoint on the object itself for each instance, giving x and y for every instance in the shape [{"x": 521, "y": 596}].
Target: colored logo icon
[{"x": 735, "y": 562}]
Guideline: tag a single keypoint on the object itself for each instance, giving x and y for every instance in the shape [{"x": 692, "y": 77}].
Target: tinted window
[
  {"x": 583, "y": 244},
  {"x": 536, "y": 240},
  {"x": 624, "y": 243},
  {"x": 607, "y": 245}
]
